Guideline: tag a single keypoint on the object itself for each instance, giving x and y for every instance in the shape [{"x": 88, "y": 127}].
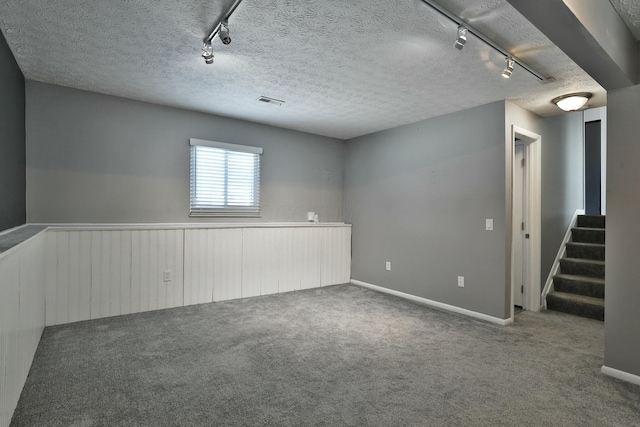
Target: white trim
[
  {"x": 591, "y": 115},
  {"x": 226, "y": 146},
  {"x": 533, "y": 221},
  {"x": 10, "y": 230},
  {"x": 20, "y": 245},
  {"x": 186, "y": 226},
  {"x": 556, "y": 263},
  {"x": 432, "y": 303},
  {"x": 621, "y": 375}
]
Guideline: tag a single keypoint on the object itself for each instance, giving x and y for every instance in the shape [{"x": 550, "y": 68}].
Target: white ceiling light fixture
[
  {"x": 221, "y": 29},
  {"x": 462, "y": 37},
  {"x": 509, "y": 68},
  {"x": 572, "y": 101},
  {"x": 486, "y": 40}
]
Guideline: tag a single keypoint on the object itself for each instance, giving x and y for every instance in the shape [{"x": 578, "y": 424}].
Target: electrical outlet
[
  {"x": 388, "y": 265},
  {"x": 461, "y": 281},
  {"x": 167, "y": 275}
]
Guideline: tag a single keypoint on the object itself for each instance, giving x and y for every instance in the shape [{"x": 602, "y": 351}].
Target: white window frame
[{"x": 199, "y": 208}]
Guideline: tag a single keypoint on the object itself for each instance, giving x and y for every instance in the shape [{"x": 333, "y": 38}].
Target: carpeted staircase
[{"x": 579, "y": 286}]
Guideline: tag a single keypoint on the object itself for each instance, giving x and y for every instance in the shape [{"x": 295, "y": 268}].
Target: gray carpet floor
[{"x": 336, "y": 356}]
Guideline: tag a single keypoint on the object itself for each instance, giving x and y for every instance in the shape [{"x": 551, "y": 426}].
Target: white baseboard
[
  {"x": 437, "y": 304},
  {"x": 621, "y": 375}
]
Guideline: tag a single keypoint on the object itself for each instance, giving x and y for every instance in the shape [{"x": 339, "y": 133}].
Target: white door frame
[
  {"x": 594, "y": 114},
  {"x": 519, "y": 243},
  {"x": 532, "y": 141}
]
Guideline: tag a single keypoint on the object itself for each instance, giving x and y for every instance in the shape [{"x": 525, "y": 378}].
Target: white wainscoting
[
  {"x": 96, "y": 274},
  {"x": 68, "y": 274},
  {"x": 22, "y": 318},
  {"x": 223, "y": 264},
  {"x": 212, "y": 265},
  {"x": 102, "y": 272}
]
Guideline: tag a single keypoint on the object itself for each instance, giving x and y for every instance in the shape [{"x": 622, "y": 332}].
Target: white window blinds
[{"x": 225, "y": 179}]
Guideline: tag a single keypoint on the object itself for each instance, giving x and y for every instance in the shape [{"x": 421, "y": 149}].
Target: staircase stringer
[{"x": 548, "y": 286}]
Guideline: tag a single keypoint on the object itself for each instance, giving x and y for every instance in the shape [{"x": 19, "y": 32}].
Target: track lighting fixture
[
  {"x": 572, "y": 101},
  {"x": 207, "y": 52},
  {"x": 462, "y": 37},
  {"x": 464, "y": 27},
  {"x": 224, "y": 32},
  {"x": 221, "y": 29},
  {"x": 509, "y": 68}
]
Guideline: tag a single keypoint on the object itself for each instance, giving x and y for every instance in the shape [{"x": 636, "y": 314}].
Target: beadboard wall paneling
[
  {"x": 212, "y": 265},
  {"x": 91, "y": 274},
  {"x": 22, "y": 318},
  {"x": 96, "y": 274},
  {"x": 336, "y": 255},
  {"x": 72, "y": 274},
  {"x": 260, "y": 259}
]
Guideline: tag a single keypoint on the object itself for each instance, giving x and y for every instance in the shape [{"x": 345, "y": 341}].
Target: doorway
[
  {"x": 592, "y": 167},
  {"x": 525, "y": 239},
  {"x": 520, "y": 245},
  {"x": 595, "y": 161}
]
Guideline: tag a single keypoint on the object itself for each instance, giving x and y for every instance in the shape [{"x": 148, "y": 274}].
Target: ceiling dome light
[{"x": 572, "y": 101}]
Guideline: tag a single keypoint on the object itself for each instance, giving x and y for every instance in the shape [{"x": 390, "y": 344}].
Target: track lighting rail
[
  {"x": 460, "y": 22},
  {"x": 225, "y": 18}
]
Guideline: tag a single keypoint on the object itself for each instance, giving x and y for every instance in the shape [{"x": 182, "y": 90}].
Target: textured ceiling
[
  {"x": 629, "y": 10},
  {"x": 344, "y": 68}
]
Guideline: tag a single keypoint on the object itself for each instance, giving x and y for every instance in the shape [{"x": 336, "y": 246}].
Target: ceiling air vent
[{"x": 268, "y": 100}]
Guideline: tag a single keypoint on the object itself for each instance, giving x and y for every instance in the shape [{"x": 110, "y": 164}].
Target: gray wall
[
  {"x": 93, "y": 158},
  {"x": 562, "y": 181},
  {"x": 622, "y": 316},
  {"x": 418, "y": 196},
  {"x": 12, "y": 141}
]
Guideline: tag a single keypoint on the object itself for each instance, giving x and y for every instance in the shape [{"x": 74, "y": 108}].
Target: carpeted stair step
[
  {"x": 581, "y": 285},
  {"x": 593, "y": 251},
  {"x": 588, "y": 235},
  {"x": 582, "y": 267},
  {"x": 578, "y": 305},
  {"x": 591, "y": 221}
]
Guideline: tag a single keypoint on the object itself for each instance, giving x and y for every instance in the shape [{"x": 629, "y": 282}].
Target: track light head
[
  {"x": 224, "y": 32},
  {"x": 207, "y": 52},
  {"x": 509, "y": 68},
  {"x": 462, "y": 37}
]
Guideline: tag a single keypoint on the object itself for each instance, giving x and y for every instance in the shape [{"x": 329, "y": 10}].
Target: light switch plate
[{"x": 489, "y": 224}]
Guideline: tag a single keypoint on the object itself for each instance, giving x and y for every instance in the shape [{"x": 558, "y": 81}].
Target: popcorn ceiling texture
[
  {"x": 629, "y": 10},
  {"x": 345, "y": 69}
]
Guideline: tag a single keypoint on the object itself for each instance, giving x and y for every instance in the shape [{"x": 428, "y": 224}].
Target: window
[{"x": 225, "y": 179}]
